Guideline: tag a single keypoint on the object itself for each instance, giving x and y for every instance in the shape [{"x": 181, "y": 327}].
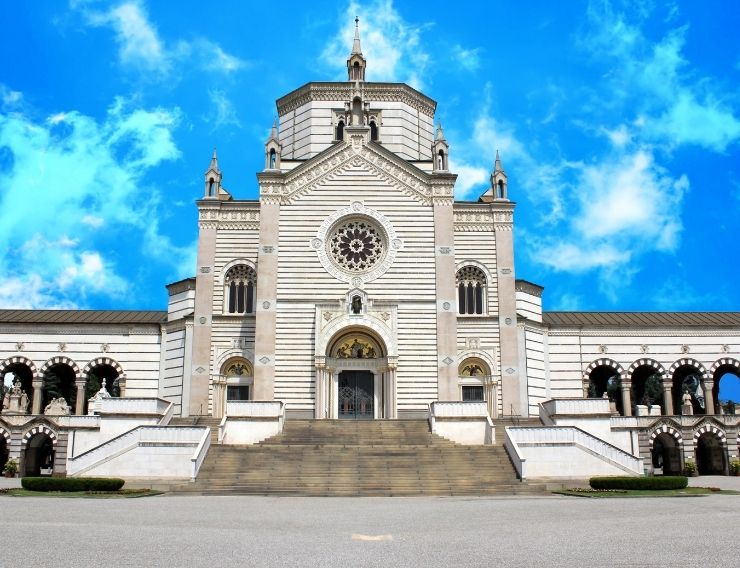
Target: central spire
[
  {"x": 356, "y": 62},
  {"x": 356, "y": 45}
]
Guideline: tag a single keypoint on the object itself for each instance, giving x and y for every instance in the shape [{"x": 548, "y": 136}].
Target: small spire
[
  {"x": 274, "y": 132},
  {"x": 497, "y": 166},
  {"x": 356, "y": 44},
  {"x": 440, "y": 134},
  {"x": 214, "y": 161}
]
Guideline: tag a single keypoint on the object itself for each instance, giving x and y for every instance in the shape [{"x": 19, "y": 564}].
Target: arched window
[
  {"x": 373, "y": 131},
  {"x": 471, "y": 290},
  {"x": 441, "y": 160},
  {"x": 500, "y": 189},
  {"x": 340, "y": 130},
  {"x": 273, "y": 158},
  {"x": 356, "y": 71},
  {"x": 240, "y": 283},
  {"x": 211, "y": 185}
]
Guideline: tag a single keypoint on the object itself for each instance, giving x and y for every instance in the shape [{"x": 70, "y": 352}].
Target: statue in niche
[{"x": 356, "y": 305}]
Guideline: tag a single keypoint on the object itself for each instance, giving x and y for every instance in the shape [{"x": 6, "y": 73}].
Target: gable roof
[
  {"x": 642, "y": 319},
  {"x": 84, "y": 316}
]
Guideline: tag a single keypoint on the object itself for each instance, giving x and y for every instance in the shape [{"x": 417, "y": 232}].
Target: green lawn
[
  {"x": 606, "y": 494},
  {"x": 122, "y": 494}
]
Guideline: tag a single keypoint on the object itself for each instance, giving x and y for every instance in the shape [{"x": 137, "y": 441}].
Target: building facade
[{"x": 357, "y": 287}]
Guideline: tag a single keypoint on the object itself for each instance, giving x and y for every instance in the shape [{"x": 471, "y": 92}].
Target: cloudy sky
[{"x": 618, "y": 124}]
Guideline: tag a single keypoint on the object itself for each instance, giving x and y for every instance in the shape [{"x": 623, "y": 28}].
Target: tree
[
  {"x": 653, "y": 390},
  {"x": 92, "y": 386},
  {"x": 52, "y": 387}
]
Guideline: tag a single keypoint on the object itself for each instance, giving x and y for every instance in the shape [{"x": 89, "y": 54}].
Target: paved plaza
[{"x": 173, "y": 531}]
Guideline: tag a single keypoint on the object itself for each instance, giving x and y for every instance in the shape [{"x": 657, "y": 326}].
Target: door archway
[
  {"x": 356, "y": 379},
  {"x": 710, "y": 454},
  {"x": 666, "y": 455},
  {"x": 39, "y": 454}
]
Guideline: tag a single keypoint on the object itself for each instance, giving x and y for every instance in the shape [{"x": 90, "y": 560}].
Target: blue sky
[{"x": 618, "y": 125}]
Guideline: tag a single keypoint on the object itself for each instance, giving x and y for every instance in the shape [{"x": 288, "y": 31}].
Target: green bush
[
  {"x": 72, "y": 483},
  {"x": 664, "y": 482}
]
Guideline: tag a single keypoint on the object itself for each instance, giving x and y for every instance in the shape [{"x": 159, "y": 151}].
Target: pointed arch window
[
  {"x": 240, "y": 283},
  {"x": 373, "y": 131},
  {"x": 340, "y": 130},
  {"x": 471, "y": 290}
]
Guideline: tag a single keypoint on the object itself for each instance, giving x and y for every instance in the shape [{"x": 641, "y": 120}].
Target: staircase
[
  {"x": 209, "y": 421},
  {"x": 363, "y": 458}
]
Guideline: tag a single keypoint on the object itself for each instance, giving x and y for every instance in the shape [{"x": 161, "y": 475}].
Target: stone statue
[
  {"x": 57, "y": 407},
  {"x": 687, "y": 408},
  {"x": 686, "y": 398},
  {"x": 94, "y": 402},
  {"x": 15, "y": 400}
]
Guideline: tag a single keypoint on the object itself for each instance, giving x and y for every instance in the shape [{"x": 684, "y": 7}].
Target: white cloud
[
  {"x": 469, "y": 59},
  {"x": 140, "y": 46},
  {"x": 63, "y": 178},
  {"x": 471, "y": 180},
  {"x": 222, "y": 112},
  {"x": 391, "y": 45}
]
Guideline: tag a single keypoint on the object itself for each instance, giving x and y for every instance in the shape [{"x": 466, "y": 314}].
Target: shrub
[
  {"x": 665, "y": 482},
  {"x": 72, "y": 483},
  {"x": 11, "y": 466}
]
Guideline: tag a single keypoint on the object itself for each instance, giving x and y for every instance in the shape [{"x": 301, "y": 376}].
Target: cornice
[
  {"x": 341, "y": 92},
  {"x": 240, "y": 215}
]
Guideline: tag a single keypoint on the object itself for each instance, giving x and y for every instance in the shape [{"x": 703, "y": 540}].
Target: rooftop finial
[
  {"x": 497, "y": 165},
  {"x": 440, "y": 134},
  {"x": 356, "y": 45},
  {"x": 214, "y": 161}
]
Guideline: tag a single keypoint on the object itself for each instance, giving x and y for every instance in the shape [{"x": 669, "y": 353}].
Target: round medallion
[
  {"x": 356, "y": 206},
  {"x": 357, "y": 282},
  {"x": 446, "y": 305},
  {"x": 316, "y": 243},
  {"x": 266, "y": 304},
  {"x": 356, "y": 245}
]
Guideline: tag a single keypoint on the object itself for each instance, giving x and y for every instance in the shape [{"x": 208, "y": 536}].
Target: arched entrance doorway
[
  {"x": 4, "y": 449},
  {"x": 688, "y": 379},
  {"x": 604, "y": 379},
  {"x": 710, "y": 454},
  {"x": 357, "y": 381},
  {"x": 38, "y": 455},
  {"x": 666, "y": 455},
  {"x": 234, "y": 383}
]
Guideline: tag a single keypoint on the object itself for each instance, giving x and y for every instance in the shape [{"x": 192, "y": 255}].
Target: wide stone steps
[{"x": 342, "y": 458}]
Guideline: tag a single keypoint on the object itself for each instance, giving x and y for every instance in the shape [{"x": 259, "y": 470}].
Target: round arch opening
[
  {"x": 666, "y": 455},
  {"x": 39, "y": 454},
  {"x": 710, "y": 455},
  {"x": 688, "y": 379},
  {"x": 647, "y": 388},
  {"x": 59, "y": 382},
  {"x": 23, "y": 373},
  {"x": 726, "y": 391},
  {"x": 605, "y": 379}
]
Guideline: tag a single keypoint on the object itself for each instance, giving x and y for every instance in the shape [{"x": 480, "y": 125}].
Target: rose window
[{"x": 356, "y": 245}]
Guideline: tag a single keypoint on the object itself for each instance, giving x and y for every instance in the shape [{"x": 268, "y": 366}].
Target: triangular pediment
[{"x": 353, "y": 155}]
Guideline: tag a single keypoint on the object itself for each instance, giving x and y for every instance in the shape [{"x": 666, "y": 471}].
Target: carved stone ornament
[
  {"x": 265, "y": 360},
  {"x": 473, "y": 343},
  {"x": 328, "y": 316},
  {"x": 105, "y": 348},
  {"x": 200, "y": 370},
  {"x": 19, "y": 346},
  {"x": 725, "y": 349},
  {"x": 202, "y": 320},
  {"x": 205, "y": 269},
  {"x": 447, "y": 360},
  {"x": 316, "y": 243},
  {"x": 644, "y": 349},
  {"x": 511, "y": 371},
  {"x": 15, "y": 400},
  {"x": 385, "y": 316},
  {"x": 685, "y": 349},
  {"x": 446, "y": 305},
  {"x": 603, "y": 349},
  {"x": 57, "y": 407},
  {"x": 266, "y": 305},
  {"x": 357, "y": 348},
  {"x": 62, "y": 347},
  {"x": 356, "y": 244}
]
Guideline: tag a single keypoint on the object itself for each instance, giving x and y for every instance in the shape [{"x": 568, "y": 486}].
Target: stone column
[
  {"x": 331, "y": 393},
  {"x": 38, "y": 395},
  {"x": 80, "y": 402},
  {"x": 709, "y": 396},
  {"x": 585, "y": 385},
  {"x": 200, "y": 368},
  {"x": 446, "y": 309},
  {"x": 626, "y": 398},
  {"x": 513, "y": 396},
  {"x": 392, "y": 410},
  {"x": 219, "y": 396},
  {"x": 320, "y": 396},
  {"x": 267, "y": 280},
  {"x": 668, "y": 397}
]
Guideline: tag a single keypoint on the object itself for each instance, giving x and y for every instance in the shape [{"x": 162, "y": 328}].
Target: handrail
[
  {"x": 200, "y": 454},
  {"x": 222, "y": 430},
  {"x": 512, "y": 448},
  {"x": 573, "y": 434},
  {"x": 131, "y": 439},
  {"x": 168, "y": 414}
]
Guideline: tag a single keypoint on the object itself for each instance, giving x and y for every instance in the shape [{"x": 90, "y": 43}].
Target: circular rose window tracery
[{"x": 356, "y": 245}]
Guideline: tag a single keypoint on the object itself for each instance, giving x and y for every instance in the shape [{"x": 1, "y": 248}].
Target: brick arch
[
  {"x": 666, "y": 429},
  {"x": 60, "y": 360},
  {"x": 724, "y": 362},
  {"x": 645, "y": 362},
  {"x": 18, "y": 359},
  {"x": 603, "y": 363},
  {"x": 710, "y": 428},
  {"x": 40, "y": 429},
  {"x": 691, "y": 362},
  {"x": 104, "y": 361}
]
